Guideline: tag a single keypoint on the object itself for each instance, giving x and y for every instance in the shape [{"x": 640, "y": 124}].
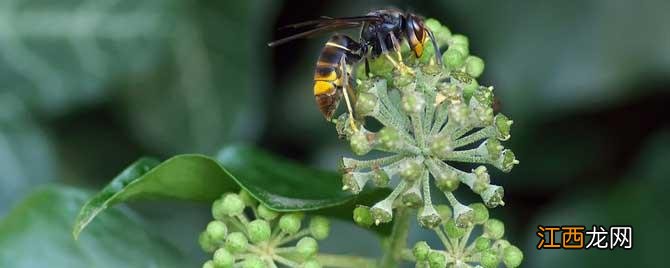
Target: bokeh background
[{"x": 87, "y": 87}]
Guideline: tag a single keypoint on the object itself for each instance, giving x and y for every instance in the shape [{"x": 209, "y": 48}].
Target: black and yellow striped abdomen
[{"x": 328, "y": 75}]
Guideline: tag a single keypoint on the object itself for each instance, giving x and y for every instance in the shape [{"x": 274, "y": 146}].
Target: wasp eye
[{"x": 419, "y": 30}]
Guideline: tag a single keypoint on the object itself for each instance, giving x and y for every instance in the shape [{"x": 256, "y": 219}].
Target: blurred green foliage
[
  {"x": 36, "y": 234},
  {"x": 89, "y": 86}
]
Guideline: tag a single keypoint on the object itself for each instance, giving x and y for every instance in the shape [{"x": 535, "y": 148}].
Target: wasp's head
[{"x": 416, "y": 33}]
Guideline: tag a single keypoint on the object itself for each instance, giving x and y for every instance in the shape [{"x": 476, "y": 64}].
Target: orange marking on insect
[{"x": 323, "y": 87}]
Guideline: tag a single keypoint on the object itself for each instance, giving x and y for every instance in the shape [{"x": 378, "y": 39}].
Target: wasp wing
[
  {"x": 324, "y": 20},
  {"x": 325, "y": 24}
]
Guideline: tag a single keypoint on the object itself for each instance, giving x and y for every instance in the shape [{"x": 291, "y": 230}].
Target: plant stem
[
  {"x": 398, "y": 239},
  {"x": 484, "y": 133},
  {"x": 292, "y": 237},
  {"x": 344, "y": 261},
  {"x": 407, "y": 255}
]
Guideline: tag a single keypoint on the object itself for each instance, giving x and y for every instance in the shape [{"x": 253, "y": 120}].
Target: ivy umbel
[{"x": 429, "y": 117}]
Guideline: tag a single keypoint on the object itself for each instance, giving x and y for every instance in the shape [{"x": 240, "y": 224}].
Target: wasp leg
[
  {"x": 396, "y": 46},
  {"x": 400, "y": 66},
  {"x": 346, "y": 91},
  {"x": 438, "y": 54}
]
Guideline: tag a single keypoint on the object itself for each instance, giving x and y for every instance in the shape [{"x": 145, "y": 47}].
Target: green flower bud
[
  {"x": 236, "y": 242},
  {"x": 366, "y": 103},
  {"x": 453, "y": 58},
  {"x": 500, "y": 245},
  {"x": 217, "y": 231},
  {"x": 290, "y": 223},
  {"x": 362, "y": 216},
  {"x": 421, "y": 250},
  {"x": 464, "y": 49},
  {"x": 433, "y": 24},
  {"x": 503, "y": 125},
  {"x": 228, "y": 205},
  {"x": 413, "y": 102},
  {"x": 482, "y": 244},
  {"x": 463, "y": 215},
  {"x": 446, "y": 180},
  {"x": 489, "y": 259},
  {"x": 307, "y": 247},
  {"x": 459, "y": 39},
  {"x": 494, "y": 229},
  {"x": 206, "y": 243},
  {"x": 412, "y": 196},
  {"x": 441, "y": 146},
  {"x": 258, "y": 230},
  {"x": 208, "y": 264},
  {"x": 247, "y": 199},
  {"x": 444, "y": 211},
  {"x": 380, "y": 66},
  {"x": 380, "y": 178},
  {"x": 390, "y": 139},
  {"x": 508, "y": 161},
  {"x": 443, "y": 35},
  {"x": 223, "y": 258},
  {"x": 469, "y": 90},
  {"x": 494, "y": 148},
  {"x": 493, "y": 196},
  {"x": 311, "y": 264},
  {"x": 428, "y": 217},
  {"x": 437, "y": 260},
  {"x": 474, "y": 66},
  {"x": 319, "y": 227},
  {"x": 481, "y": 213},
  {"x": 359, "y": 142},
  {"x": 382, "y": 211},
  {"x": 512, "y": 257},
  {"x": 254, "y": 262},
  {"x": 452, "y": 230},
  {"x": 411, "y": 169},
  {"x": 428, "y": 53},
  {"x": 266, "y": 213},
  {"x": 217, "y": 209}
]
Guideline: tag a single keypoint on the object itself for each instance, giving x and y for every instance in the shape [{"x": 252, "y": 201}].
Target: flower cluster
[
  {"x": 488, "y": 250},
  {"x": 263, "y": 240},
  {"x": 431, "y": 116}
]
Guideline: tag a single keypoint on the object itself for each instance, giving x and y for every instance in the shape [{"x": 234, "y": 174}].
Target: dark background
[{"x": 86, "y": 88}]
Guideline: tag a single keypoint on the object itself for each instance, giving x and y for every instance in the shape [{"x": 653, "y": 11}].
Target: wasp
[{"x": 382, "y": 32}]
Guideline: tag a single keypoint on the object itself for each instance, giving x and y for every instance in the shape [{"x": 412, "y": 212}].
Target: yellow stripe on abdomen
[{"x": 323, "y": 87}]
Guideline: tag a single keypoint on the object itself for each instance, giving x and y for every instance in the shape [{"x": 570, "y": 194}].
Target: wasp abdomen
[{"x": 329, "y": 72}]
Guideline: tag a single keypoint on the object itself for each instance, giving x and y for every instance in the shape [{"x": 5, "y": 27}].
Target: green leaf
[
  {"x": 63, "y": 54},
  {"x": 187, "y": 177},
  {"x": 280, "y": 184},
  {"x": 36, "y": 234}
]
